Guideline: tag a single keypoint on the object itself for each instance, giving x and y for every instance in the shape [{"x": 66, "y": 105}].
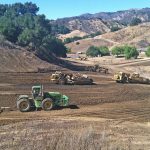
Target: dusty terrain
[
  {"x": 86, "y": 43},
  {"x": 20, "y": 60},
  {"x": 107, "y": 116},
  {"x": 137, "y": 36}
]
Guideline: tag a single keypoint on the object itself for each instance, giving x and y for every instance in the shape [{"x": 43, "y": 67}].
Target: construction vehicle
[
  {"x": 40, "y": 99},
  {"x": 83, "y": 58},
  {"x": 97, "y": 68},
  {"x": 122, "y": 77},
  {"x": 69, "y": 78}
]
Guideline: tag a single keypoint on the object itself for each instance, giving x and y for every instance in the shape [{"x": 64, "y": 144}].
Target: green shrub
[
  {"x": 92, "y": 51},
  {"x": 148, "y": 52},
  {"x": 72, "y": 39},
  {"x": 114, "y": 28},
  {"x": 130, "y": 52},
  {"x": 118, "y": 50},
  {"x": 104, "y": 51},
  {"x": 127, "y": 51},
  {"x": 95, "y": 51},
  {"x": 135, "y": 21}
]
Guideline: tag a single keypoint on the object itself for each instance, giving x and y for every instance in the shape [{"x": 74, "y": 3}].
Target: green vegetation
[
  {"x": 135, "y": 21},
  {"x": 94, "y": 51},
  {"x": 69, "y": 50},
  {"x": 20, "y": 24},
  {"x": 69, "y": 40},
  {"x": 115, "y": 28},
  {"x": 128, "y": 51},
  {"x": 118, "y": 50},
  {"x": 76, "y": 38},
  {"x": 148, "y": 52},
  {"x": 104, "y": 51},
  {"x": 59, "y": 29},
  {"x": 94, "y": 34}
]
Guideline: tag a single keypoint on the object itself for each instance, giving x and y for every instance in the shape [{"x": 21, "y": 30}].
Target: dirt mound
[{"x": 19, "y": 60}]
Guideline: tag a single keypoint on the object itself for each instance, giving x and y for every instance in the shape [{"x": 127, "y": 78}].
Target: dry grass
[
  {"x": 138, "y": 36},
  {"x": 72, "y": 34},
  {"x": 61, "y": 135}
]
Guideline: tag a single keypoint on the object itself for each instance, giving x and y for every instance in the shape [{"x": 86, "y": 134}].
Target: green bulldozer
[{"x": 39, "y": 99}]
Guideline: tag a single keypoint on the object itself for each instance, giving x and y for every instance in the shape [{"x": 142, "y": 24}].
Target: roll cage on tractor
[{"x": 41, "y": 99}]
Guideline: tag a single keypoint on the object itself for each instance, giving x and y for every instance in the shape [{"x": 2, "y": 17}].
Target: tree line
[
  {"x": 126, "y": 51},
  {"x": 21, "y": 25}
]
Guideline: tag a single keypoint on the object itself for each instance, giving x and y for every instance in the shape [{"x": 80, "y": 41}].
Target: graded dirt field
[{"x": 110, "y": 115}]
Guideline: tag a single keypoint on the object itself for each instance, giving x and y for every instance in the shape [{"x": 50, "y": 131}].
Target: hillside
[
  {"x": 103, "y": 21},
  {"x": 124, "y": 16},
  {"x": 138, "y": 36},
  {"x": 86, "y": 43},
  {"x": 85, "y": 25},
  {"x": 74, "y": 33},
  {"x": 16, "y": 60}
]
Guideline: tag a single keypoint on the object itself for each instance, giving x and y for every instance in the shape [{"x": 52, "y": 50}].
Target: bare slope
[
  {"x": 83, "y": 45},
  {"x": 72, "y": 34},
  {"x": 138, "y": 36},
  {"x": 16, "y": 60}
]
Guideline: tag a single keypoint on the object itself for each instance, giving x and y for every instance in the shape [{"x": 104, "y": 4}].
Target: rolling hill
[
  {"x": 138, "y": 36},
  {"x": 103, "y": 21}
]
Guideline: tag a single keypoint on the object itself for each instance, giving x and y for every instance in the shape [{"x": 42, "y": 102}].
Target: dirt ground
[{"x": 113, "y": 116}]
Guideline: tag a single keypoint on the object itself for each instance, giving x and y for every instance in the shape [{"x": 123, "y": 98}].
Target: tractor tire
[
  {"x": 47, "y": 104},
  {"x": 24, "y": 105}
]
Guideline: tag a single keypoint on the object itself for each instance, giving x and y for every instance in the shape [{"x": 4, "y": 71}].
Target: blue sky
[{"x": 54, "y": 9}]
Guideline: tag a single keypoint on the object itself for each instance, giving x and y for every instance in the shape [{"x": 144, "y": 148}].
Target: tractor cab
[{"x": 37, "y": 91}]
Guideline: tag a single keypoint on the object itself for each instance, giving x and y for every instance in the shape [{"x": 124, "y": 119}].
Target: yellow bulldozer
[
  {"x": 69, "y": 78},
  {"x": 97, "y": 68},
  {"x": 122, "y": 77}
]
